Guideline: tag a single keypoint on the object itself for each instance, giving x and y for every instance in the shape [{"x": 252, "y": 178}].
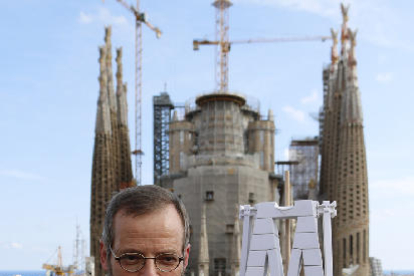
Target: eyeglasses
[{"x": 132, "y": 262}]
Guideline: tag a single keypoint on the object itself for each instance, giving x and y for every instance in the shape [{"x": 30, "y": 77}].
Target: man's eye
[
  {"x": 131, "y": 258},
  {"x": 167, "y": 259}
]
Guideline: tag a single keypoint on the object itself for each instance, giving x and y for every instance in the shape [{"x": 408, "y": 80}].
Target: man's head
[{"x": 147, "y": 221}]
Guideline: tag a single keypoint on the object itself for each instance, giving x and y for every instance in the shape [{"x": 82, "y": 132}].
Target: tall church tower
[
  {"x": 344, "y": 170},
  {"x": 111, "y": 168}
]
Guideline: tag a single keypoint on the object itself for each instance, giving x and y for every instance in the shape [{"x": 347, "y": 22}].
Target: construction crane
[
  {"x": 224, "y": 44},
  {"x": 58, "y": 268},
  {"x": 79, "y": 246},
  {"x": 139, "y": 19}
]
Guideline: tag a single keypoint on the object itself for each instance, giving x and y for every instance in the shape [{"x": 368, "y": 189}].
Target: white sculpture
[{"x": 261, "y": 245}]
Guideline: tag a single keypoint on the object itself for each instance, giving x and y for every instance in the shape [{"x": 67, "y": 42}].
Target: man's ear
[
  {"x": 187, "y": 255},
  {"x": 104, "y": 258}
]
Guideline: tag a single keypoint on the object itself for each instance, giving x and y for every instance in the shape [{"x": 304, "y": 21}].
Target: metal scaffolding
[
  {"x": 305, "y": 173},
  {"x": 162, "y": 116}
]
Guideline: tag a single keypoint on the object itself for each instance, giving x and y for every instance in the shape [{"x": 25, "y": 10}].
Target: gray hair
[{"x": 138, "y": 201}]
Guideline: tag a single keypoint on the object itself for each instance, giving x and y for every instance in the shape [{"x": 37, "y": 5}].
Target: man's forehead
[
  {"x": 161, "y": 225},
  {"x": 126, "y": 211},
  {"x": 165, "y": 215}
]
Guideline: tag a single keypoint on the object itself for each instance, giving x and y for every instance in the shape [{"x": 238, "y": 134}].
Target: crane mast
[
  {"x": 138, "y": 98},
  {"x": 222, "y": 51},
  {"x": 223, "y": 44},
  {"x": 139, "y": 19}
]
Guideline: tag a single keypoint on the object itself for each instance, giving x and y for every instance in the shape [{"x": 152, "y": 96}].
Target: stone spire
[
  {"x": 334, "y": 49},
  {"x": 124, "y": 147},
  {"x": 103, "y": 121},
  {"x": 344, "y": 29},
  {"x": 108, "y": 45},
  {"x": 347, "y": 178},
  {"x": 113, "y": 110},
  {"x": 103, "y": 177},
  {"x": 121, "y": 91},
  {"x": 119, "y": 70},
  {"x": 352, "y": 62},
  {"x": 236, "y": 247},
  {"x": 203, "y": 256},
  {"x": 351, "y": 102},
  {"x": 270, "y": 115}
]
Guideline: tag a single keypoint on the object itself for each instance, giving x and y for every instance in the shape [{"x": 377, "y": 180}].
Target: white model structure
[{"x": 261, "y": 246}]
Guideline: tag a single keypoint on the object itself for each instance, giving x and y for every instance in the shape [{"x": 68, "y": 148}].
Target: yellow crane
[
  {"x": 139, "y": 19},
  {"x": 224, "y": 44},
  {"x": 58, "y": 269}
]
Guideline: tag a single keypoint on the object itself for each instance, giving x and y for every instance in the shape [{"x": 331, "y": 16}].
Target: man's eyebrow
[
  {"x": 165, "y": 251},
  {"x": 129, "y": 250}
]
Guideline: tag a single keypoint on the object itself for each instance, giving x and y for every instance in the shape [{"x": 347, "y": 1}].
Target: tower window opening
[
  {"x": 252, "y": 198},
  {"x": 209, "y": 196},
  {"x": 364, "y": 246},
  {"x": 344, "y": 252},
  {"x": 219, "y": 266},
  {"x": 351, "y": 248},
  {"x": 357, "y": 248}
]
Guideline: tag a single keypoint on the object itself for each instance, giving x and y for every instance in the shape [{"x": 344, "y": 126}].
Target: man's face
[{"x": 151, "y": 234}]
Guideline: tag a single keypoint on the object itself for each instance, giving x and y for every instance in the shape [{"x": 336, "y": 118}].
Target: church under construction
[
  {"x": 111, "y": 168},
  {"x": 343, "y": 176},
  {"x": 218, "y": 153}
]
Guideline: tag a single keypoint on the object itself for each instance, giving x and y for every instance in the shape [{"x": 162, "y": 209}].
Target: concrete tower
[
  {"x": 221, "y": 156},
  {"x": 351, "y": 232},
  {"x": 111, "y": 168},
  {"x": 344, "y": 170},
  {"x": 124, "y": 147},
  {"x": 103, "y": 177},
  {"x": 112, "y": 106}
]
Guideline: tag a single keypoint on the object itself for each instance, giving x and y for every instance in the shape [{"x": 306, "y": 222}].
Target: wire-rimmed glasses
[{"x": 132, "y": 262}]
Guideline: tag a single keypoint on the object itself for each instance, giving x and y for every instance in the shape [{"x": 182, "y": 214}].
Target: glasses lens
[
  {"x": 167, "y": 262},
  {"x": 132, "y": 262}
]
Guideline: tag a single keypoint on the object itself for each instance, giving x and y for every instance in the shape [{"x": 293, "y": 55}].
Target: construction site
[{"x": 217, "y": 152}]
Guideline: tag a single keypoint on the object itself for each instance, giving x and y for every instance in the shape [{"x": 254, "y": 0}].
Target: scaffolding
[
  {"x": 325, "y": 79},
  {"x": 162, "y": 106},
  {"x": 304, "y": 173}
]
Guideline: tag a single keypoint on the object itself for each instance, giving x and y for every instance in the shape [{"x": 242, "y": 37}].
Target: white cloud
[
  {"x": 311, "y": 98},
  {"x": 20, "y": 175},
  {"x": 11, "y": 245},
  {"x": 384, "y": 77},
  {"x": 85, "y": 18},
  {"x": 16, "y": 245},
  {"x": 296, "y": 114},
  {"x": 103, "y": 15}
]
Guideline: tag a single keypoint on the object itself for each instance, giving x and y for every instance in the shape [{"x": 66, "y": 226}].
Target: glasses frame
[{"x": 118, "y": 259}]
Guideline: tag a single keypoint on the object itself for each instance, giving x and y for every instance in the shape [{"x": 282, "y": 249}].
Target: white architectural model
[{"x": 261, "y": 246}]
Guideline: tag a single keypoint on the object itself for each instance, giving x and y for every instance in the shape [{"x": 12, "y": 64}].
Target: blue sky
[{"x": 49, "y": 90}]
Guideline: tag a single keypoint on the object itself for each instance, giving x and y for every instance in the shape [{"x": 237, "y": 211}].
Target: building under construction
[
  {"x": 221, "y": 155},
  {"x": 343, "y": 163},
  {"x": 111, "y": 169},
  {"x": 304, "y": 154}
]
